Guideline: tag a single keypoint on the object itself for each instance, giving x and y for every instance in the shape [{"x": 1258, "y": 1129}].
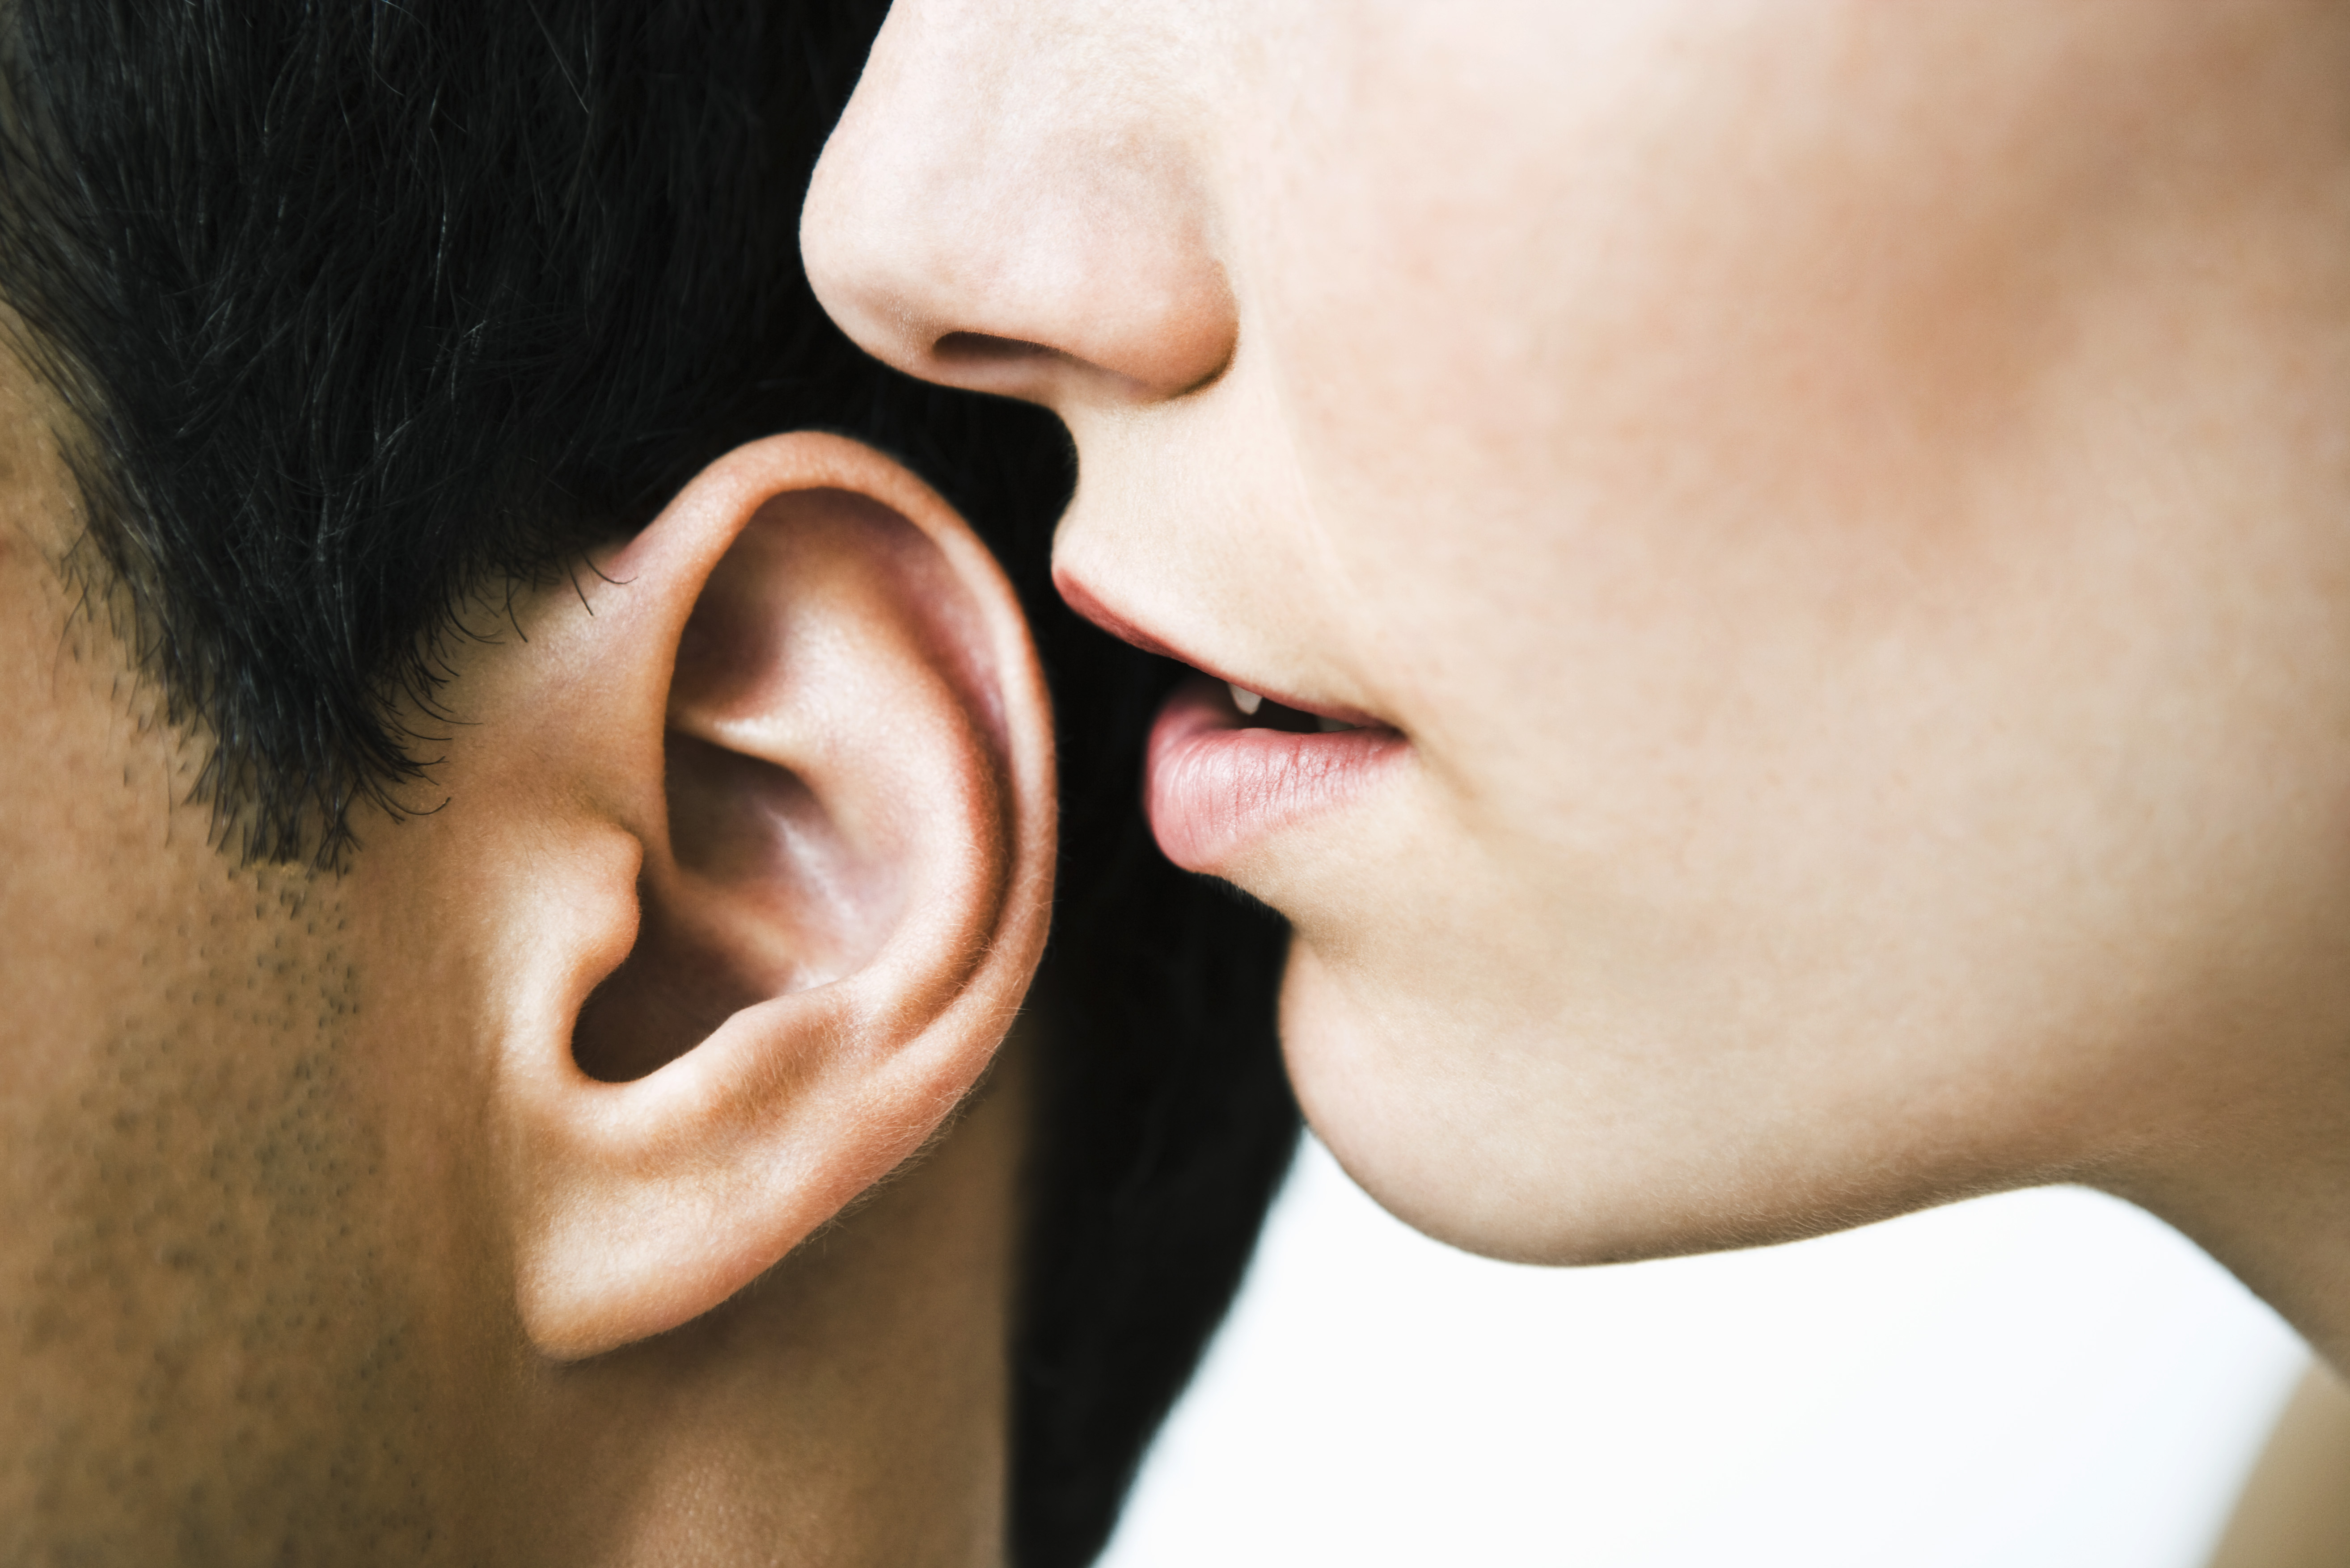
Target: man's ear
[{"x": 774, "y": 789}]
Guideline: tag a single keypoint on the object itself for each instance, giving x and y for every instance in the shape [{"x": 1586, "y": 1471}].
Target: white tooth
[
  {"x": 1248, "y": 702},
  {"x": 1332, "y": 726}
]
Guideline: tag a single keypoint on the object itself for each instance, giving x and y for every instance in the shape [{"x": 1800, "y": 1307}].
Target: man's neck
[{"x": 849, "y": 1407}]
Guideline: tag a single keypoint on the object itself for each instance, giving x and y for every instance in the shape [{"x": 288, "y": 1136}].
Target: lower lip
[{"x": 1214, "y": 786}]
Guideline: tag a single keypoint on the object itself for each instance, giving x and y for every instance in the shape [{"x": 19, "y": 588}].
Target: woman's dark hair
[{"x": 356, "y": 307}]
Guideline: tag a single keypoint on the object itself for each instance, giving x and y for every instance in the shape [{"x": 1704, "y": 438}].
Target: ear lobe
[{"x": 842, "y": 802}]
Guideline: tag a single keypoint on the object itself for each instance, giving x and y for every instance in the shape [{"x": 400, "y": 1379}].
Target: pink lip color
[{"x": 1214, "y": 785}]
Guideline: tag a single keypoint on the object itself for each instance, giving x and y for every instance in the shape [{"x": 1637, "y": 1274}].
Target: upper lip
[{"x": 1083, "y": 600}]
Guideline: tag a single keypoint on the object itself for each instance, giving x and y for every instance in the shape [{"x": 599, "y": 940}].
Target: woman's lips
[{"x": 1214, "y": 783}]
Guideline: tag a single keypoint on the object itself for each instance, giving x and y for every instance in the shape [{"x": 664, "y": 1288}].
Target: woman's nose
[{"x": 986, "y": 217}]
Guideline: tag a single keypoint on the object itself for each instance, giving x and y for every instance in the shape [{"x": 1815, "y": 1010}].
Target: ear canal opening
[
  {"x": 648, "y": 1012},
  {"x": 760, "y": 893}
]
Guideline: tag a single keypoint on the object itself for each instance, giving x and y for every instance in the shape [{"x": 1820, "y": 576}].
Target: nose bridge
[{"x": 989, "y": 214}]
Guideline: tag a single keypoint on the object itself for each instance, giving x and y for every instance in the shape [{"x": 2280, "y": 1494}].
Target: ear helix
[{"x": 843, "y": 883}]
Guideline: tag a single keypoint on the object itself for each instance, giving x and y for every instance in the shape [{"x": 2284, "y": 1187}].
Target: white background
[{"x": 2044, "y": 1378}]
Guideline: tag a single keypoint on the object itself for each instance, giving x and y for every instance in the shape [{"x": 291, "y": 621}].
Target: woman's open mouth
[{"x": 1228, "y": 768}]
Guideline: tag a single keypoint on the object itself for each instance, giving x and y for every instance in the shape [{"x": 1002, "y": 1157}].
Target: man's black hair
[{"x": 357, "y": 307}]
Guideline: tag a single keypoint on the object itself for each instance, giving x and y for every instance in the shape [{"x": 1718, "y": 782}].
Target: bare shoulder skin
[{"x": 2295, "y": 1509}]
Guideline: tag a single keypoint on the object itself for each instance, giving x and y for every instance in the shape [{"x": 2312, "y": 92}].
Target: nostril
[
  {"x": 1022, "y": 367},
  {"x": 981, "y": 348}
]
